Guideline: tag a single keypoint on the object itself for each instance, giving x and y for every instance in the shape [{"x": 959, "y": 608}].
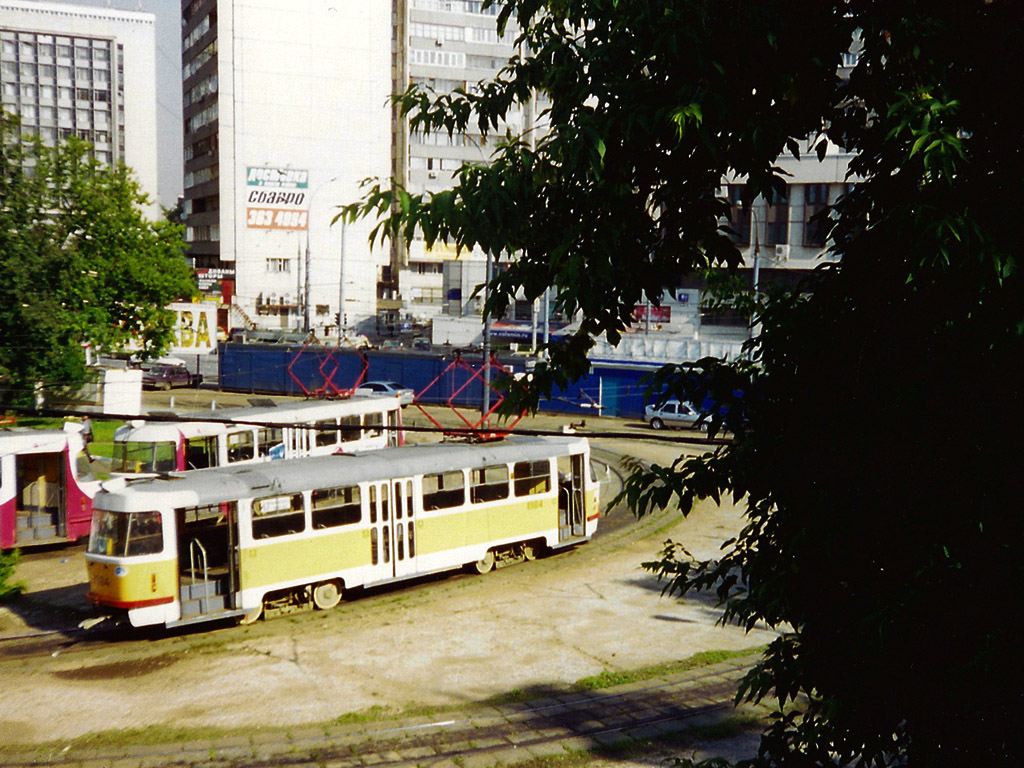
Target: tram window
[
  {"x": 241, "y": 446},
  {"x": 399, "y": 501},
  {"x": 488, "y": 483},
  {"x": 332, "y": 507},
  {"x": 412, "y": 540},
  {"x": 373, "y": 546},
  {"x": 444, "y": 490},
  {"x": 384, "y": 504},
  {"x": 400, "y": 541},
  {"x": 387, "y": 545},
  {"x": 326, "y": 434},
  {"x": 532, "y": 477},
  {"x": 200, "y": 453},
  {"x": 350, "y": 428},
  {"x": 373, "y": 504},
  {"x": 207, "y": 515},
  {"x": 132, "y": 456},
  {"x": 269, "y": 439},
  {"x": 373, "y": 424},
  {"x": 277, "y": 516},
  {"x": 122, "y": 534}
]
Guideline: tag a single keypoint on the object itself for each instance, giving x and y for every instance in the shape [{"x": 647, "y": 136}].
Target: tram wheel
[
  {"x": 484, "y": 565},
  {"x": 326, "y": 595},
  {"x": 529, "y": 552},
  {"x": 252, "y": 616}
]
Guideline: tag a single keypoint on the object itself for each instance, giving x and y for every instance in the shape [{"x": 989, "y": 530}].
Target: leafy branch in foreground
[{"x": 871, "y": 414}]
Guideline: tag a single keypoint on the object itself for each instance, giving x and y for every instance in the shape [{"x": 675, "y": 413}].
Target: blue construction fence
[{"x": 610, "y": 389}]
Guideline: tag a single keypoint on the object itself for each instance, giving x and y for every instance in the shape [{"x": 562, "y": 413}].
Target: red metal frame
[
  {"x": 329, "y": 388},
  {"x": 478, "y": 427}
]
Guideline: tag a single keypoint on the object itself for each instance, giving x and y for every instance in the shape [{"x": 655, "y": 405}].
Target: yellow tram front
[{"x": 130, "y": 566}]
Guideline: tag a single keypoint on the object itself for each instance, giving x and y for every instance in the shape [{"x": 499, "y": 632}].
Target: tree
[
  {"x": 874, "y": 414},
  {"x": 81, "y": 264}
]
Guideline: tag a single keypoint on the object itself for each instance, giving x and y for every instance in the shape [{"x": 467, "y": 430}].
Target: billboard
[
  {"x": 276, "y": 198},
  {"x": 195, "y": 328}
]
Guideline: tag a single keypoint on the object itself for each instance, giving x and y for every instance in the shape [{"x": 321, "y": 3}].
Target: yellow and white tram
[{"x": 228, "y": 542}]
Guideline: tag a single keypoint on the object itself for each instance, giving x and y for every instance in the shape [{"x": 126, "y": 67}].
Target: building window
[
  {"x": 739, "y": 215},
  {"x": 815, "y": 224},
  {"x": 777, "y": 220},
  {"x": 276, "y": 265}
]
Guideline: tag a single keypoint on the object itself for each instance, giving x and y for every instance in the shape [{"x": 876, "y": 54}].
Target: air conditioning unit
[
  {"x": 781, "y": 252},
  {"x": 439, "y": 43}
]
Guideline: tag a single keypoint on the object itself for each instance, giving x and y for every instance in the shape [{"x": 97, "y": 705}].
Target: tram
[
  {"x": 229, "y": 543},
  {"x": 46, "y": 487},
  {"x": 247, "y": 435}
]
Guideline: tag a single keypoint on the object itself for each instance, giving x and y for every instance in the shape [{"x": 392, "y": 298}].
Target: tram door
[
  {"x": 392, "y": 529},
  {"x": 208, "y": 558},
  {"x": 571, "y": 507}
]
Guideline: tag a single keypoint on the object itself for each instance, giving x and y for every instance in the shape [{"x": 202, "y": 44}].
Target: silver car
[
  {"x": 671, "y": 414},
  {"x": 404, "y": 394}
]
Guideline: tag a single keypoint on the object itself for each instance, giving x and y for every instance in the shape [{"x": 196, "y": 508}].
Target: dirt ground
[{"x": 451, "y": 641}]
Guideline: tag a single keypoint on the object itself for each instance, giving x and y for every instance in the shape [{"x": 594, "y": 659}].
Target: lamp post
[
  {"x": 305, "y": 294},
  {"x": 756, "y": 265}
]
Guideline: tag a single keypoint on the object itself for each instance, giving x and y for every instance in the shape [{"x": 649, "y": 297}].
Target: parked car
[
  {"x": 672, "y": 414},
  {"x": 391, "y": 344},
  {"x": 421, "y": 343},
  {"x": 404, "y": 394},
  {"x": 167, "y": 376}
]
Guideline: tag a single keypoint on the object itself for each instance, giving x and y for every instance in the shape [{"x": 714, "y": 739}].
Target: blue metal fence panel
[{"x": 610, "y": 389}]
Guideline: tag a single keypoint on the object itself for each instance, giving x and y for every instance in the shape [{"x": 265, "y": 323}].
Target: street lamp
[{"x": 305, "y": 298}]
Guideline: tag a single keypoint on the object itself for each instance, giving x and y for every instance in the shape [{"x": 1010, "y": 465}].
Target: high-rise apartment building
[
  {"x": 286, "y": 111},
  {"x": 83, "y": 71}
]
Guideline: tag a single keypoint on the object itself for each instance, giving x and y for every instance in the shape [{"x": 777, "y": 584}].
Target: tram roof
[
  {"x": 25, "y": 440},
  {"x": 303, "y": 412},
  {"x": 212, "y": 486}
]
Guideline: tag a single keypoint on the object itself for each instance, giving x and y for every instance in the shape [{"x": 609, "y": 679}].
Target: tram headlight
[{"x": 120, "y": 571}]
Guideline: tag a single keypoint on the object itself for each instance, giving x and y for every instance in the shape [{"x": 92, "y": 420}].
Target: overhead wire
[{"x": 467, "y": 432}]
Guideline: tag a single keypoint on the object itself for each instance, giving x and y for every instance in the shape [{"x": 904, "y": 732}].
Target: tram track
[{"x": 658, "y": 710}]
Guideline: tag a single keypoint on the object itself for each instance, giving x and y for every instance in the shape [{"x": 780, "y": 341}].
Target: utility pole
[{"x": 487, "y": 341}]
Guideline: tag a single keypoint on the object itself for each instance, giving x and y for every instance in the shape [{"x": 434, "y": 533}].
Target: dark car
[{"x": 167, "y": 376}]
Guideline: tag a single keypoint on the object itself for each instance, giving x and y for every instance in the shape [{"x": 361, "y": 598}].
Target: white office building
[{"x": 84, "y": 71}]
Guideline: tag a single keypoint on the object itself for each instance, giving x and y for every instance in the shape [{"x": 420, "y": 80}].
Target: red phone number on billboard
[{"x": 276, "y": 218}]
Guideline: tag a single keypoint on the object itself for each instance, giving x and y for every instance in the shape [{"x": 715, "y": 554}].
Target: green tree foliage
[
  {"x": 81, "y": 264},
  {"x": 8, "y": 562},
  {"x": 876, "y": 414}
]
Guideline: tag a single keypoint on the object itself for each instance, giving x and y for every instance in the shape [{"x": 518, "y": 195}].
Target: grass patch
[
  {"x": 116, "y": 739},
  {"x": 608, "y": 679}
]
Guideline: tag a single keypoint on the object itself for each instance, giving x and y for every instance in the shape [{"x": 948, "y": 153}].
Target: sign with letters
[
  {"x": 195, "y": 328},
  {"x": 276, "y": 198}
]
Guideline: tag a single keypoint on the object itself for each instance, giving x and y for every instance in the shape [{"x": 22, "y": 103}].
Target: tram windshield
[
  {"x": 125, "y": 533},
  {"x": 132, "y": 457}
]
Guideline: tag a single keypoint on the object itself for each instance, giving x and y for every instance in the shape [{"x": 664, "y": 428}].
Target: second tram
[
  {"x": 230, "y": 542},
  {"x": 246, "y": 435}
]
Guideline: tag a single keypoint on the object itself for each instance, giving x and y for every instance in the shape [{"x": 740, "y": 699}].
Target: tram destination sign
[{"x": 276, "y": 198}]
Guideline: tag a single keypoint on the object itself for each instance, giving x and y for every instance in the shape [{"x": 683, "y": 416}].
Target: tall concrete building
[
  {"x": 84, "y": 71},
  {"x": 286, "y": 111}
]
